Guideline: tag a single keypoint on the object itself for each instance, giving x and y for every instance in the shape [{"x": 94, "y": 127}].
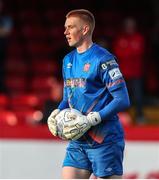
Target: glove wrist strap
[{"x": 94, "y": 118}]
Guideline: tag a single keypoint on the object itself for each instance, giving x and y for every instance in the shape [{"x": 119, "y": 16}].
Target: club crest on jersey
[{"x": 86, "y": 67}]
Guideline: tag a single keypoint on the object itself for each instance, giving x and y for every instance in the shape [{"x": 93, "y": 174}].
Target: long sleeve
[
  {"x": 119, "y": 103},
  {"x": 63, "y": 104}
]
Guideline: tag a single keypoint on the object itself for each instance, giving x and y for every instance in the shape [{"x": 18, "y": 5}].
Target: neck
[{"x": 84, "y": 46}]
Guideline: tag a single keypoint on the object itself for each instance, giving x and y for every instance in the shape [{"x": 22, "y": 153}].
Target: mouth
[{"x": 68, "y": 39}]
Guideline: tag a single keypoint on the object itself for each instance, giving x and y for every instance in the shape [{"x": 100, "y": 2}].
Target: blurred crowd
[{"x": 32, "y": 47}]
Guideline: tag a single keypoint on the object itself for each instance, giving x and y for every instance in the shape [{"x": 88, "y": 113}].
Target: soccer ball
[{"x": 63, "y": 118}]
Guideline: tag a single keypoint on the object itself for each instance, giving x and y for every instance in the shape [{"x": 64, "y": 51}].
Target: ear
[{"x": 86, "y": 29}]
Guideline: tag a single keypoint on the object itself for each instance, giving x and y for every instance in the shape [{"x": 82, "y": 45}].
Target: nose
[{"x": 66, "y": 31}]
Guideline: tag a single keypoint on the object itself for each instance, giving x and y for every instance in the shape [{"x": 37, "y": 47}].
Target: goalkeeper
[{"x": 94, "y": 85}]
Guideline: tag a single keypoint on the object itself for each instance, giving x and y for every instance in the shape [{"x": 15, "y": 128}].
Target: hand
[
  {"x": 52, "y": 124},
  {"x": 76, "y": 128},
  {"x": 94, "y": 118}
]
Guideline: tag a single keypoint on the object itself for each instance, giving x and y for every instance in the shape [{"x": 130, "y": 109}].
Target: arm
[
  {"x": 52, "y": 123},
  {"x": 119, "y": 103},
  {"x": 63, "y": 105}
]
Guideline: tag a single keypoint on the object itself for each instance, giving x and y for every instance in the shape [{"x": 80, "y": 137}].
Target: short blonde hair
[{"x": 85, "y": 15}]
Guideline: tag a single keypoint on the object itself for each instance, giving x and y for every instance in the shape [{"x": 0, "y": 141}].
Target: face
[{"x": 74, "y": 31}]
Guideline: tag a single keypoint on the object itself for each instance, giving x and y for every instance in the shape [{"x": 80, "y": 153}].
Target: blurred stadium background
[{"x": 35, "y": 48}]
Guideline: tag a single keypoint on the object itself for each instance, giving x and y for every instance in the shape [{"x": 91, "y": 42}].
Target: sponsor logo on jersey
[
  {"x": 69, "y": 65},
  {"x": 115, "y": 73},
  {"x": 75, "y": 82},
  {"x": 108, "y": 64},
  {"x": 86, "y": 67}
]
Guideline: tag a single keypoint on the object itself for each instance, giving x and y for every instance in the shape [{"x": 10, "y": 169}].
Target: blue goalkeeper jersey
[{"x": 93, "y": 82}]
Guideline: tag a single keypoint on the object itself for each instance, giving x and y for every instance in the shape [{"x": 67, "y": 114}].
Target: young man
[{"x": 94, "y": 85}]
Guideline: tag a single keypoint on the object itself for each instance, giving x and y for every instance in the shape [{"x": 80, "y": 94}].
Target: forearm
[
  {"x": 63, "y": 105},
  {"x": 119, "y": 103}
]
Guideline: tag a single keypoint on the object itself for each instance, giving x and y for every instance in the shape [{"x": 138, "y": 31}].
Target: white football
[{"x": 63, "y": 118}]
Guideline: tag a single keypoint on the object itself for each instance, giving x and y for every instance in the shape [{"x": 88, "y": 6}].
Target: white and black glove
[
  {"x": 73, "y": 130},
  {"x": 52, "y": 123}
]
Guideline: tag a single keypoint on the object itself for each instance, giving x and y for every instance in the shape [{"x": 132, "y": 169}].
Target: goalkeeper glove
[
  {"x": 73, "y": 130},
  {"x": 52, "y": 123}
]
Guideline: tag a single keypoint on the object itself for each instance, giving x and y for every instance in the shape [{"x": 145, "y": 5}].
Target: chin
[{"x": 71, "y": 45}]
